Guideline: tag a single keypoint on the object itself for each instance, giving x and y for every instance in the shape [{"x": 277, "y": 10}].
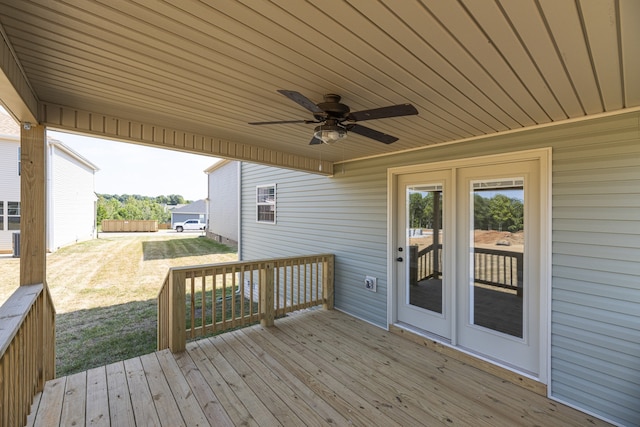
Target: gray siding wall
[
  {"x": 223, "y": 201},
  {"x": 595, "y": 309},
  {"x": 182, "y": 217}
]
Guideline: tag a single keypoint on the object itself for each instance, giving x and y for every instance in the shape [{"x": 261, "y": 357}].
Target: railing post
[
  {"x": 413, "y": 265},
  {"x": 520, "y": 272},
  {"x": 177, "y": 311},
  {"x": 266, "y": 294},
  {"x": 327, "y": 282}
]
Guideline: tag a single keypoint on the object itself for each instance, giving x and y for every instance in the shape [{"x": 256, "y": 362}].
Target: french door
[
  {"x": 425, "y": 294},
  {"x": 467, "y": 258}
]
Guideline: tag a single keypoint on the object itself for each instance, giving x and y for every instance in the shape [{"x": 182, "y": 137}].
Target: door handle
[{"x": 399, "y": 259}]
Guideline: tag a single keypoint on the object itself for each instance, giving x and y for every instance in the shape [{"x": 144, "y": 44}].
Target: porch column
[{"x": 32, "y": 204}]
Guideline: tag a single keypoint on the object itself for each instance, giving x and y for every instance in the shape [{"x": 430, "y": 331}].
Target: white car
[{"x": 190, "y": 224}]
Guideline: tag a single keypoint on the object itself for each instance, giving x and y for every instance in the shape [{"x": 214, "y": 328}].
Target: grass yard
[{"x": 105, "y": 290}]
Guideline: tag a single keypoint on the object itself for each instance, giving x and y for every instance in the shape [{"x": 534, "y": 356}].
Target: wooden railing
[
  {"x": 205, "y": 299},
  {"x": 502, "y": 269},
  {"x": 427, "y": 263},
  {"x": 27, "y": 351}
]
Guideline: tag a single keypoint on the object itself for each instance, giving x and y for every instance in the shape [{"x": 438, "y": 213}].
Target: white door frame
[{"x": 542, "y": 155}]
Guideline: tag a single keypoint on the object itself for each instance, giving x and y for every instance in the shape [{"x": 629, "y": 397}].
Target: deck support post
[
  {"x": 33, "y": 181},
  {"x": 177, "y": 311},
  {"x": 266, "y": 294},
  {"x": 33, "y": 245},
  {"x": 328, "y": 282}
]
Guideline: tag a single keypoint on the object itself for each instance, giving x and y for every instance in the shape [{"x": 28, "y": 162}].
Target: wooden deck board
[
  {"x": 120, "y": 408},
  {"x": 191, "y": 411},
  {"x": 139, "y": 380},
  {"x": 51, "y": 402},
  {"x": 314, "y": 368},
  {"x": 97, "y": 398},
  {"x": 73, "y": 407}
]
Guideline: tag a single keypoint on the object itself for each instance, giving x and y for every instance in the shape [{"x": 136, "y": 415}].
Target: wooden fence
[
  {"x": 27, "y": 351},
  {"x": 499, "y": 268},
  {"x": 205, "y": 299},
  {"x": 124, "y": 226}
]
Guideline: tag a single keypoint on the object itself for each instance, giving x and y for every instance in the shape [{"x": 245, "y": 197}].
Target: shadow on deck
[{"x": 313, "y": 368}]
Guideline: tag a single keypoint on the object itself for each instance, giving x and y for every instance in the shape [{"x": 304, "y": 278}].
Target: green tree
[
  {"x": 500, "y": 209},
  {"x": 517, "y": 209},
  {"x": 507, "y": 212},
  {"x": 481, "y": 214},
  {"x": 134, "y": 207},
  {"x": 417, "y": 206}
]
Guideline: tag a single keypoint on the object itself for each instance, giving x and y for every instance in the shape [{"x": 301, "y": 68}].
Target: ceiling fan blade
[
  {"x": 300, "y": 99},
  {"x": 279, "y": 122},
  {"x": 383, "y": 112},
  {"x": 373, "y": 134},
  {"x": 315, "y": 141}
]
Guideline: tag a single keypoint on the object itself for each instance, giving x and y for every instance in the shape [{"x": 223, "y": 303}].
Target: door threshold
[{"x": 440, "y": 345}]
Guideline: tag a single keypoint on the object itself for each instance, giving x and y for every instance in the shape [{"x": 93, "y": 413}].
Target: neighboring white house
[
  {"x": 223, "y": 180},
  {"x": 196, "y": 210},
  {"x": 71, "y": 200}
]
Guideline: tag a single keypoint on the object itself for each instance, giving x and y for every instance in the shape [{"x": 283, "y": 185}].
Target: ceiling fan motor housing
[{"x": 333, "y": 107}]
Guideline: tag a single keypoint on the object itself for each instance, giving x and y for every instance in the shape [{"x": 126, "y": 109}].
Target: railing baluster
[
  {"x": 240, "y": 274},
  {"x": 292, "y": 284},
  {"x": 233, "y": 296},
  {"x": 203, "y": 292},
  {"x": 223, "y": 294},
  {"x": 277, "y": 285},
  {"x": 251, "y": 294},
  {"x": 193, "y": 304},
  {"x": 299, "y": 275},
  {"x": 214, "y": 305}
]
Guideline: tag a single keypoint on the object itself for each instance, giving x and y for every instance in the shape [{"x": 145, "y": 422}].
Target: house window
[
  {"x": 13, "y": 215},
  {"x": 1, "y": 216},
  {"x": 266, "y": 203},
  {"x": 19, "y": 162}
]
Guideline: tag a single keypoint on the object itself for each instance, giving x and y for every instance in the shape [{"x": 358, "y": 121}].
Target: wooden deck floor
[{"x": 315, "y": 368}]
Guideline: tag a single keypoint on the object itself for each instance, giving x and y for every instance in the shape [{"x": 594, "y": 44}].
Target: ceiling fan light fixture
[{"x": 330, "y": 133}]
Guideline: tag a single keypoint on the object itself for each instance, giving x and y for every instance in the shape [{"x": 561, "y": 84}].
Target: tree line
[
  {"x": 136, "y": 207},
  {"x": 490, "y": 213}
]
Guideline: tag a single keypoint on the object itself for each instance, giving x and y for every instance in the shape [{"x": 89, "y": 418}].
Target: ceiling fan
[{"x": 336, "y": 119}]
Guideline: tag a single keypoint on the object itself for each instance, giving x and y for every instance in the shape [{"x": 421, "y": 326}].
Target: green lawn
[{"x": 104, "y": 291}]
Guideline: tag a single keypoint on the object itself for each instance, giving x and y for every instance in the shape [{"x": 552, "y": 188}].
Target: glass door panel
[
  {"x": 424, "y": 235},
  {"x": 498, "y": 242}
]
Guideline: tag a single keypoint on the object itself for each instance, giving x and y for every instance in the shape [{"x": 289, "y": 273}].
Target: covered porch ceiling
[{"x": 191, "y": 75}]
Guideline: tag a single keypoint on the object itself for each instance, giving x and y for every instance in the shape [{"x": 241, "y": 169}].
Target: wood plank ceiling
[{"x": 471, "y": 67}]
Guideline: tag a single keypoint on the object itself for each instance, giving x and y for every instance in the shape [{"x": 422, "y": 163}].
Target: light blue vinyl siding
[
  {"x": 315, "y": 214},
  {"x": 595, "y": 307}
]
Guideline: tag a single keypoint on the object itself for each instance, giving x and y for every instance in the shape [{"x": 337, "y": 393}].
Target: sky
[{"x": 127, "y": 168}]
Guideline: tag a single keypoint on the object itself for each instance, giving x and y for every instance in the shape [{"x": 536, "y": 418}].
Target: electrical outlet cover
[{"x": 370, "y": 283}]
